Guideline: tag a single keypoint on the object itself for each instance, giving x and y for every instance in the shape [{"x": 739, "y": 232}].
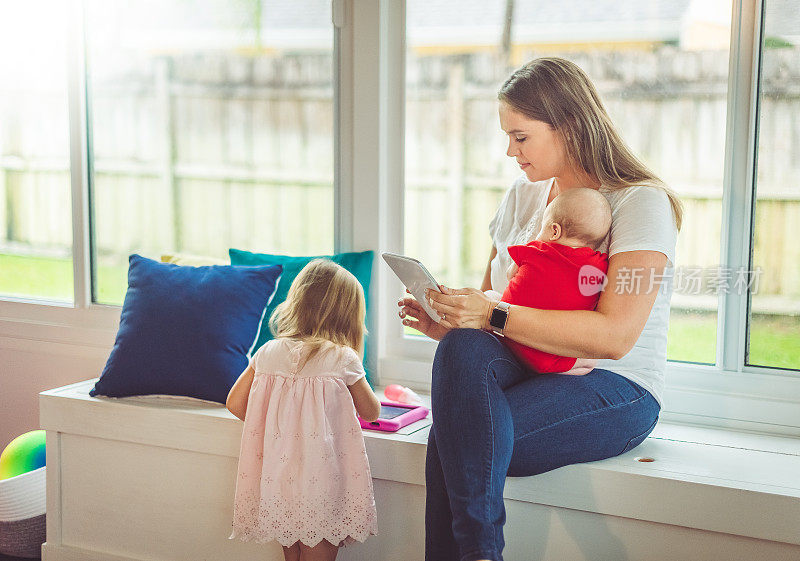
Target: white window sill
[{"x": 711, "y": 479}]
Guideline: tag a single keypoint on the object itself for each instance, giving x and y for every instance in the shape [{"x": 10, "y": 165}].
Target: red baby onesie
[{"x": 550, "y": 277}]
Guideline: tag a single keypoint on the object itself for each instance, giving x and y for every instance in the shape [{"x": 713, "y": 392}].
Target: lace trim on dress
[{"x": 343, "y": 520}]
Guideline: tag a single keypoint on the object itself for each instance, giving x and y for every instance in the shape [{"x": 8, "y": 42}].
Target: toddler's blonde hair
[{"x": 325, "y": 305}]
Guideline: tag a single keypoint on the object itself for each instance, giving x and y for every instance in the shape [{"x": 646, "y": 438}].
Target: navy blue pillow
[{"x": 185, "y": 330}]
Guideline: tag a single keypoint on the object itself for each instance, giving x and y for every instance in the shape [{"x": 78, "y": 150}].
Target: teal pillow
[{"x": 358, "y": 263}]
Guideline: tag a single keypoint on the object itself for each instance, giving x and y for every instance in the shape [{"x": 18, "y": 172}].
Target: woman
[{"x": 493, "y": 417}]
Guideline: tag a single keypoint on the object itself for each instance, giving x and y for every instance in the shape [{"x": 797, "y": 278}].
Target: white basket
[{"x": 23, "y": 496}]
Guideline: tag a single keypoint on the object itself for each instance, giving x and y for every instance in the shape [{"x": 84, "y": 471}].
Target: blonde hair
[
  {"x": 557, "y": 92},
  {"x": 325, "y": 305}
]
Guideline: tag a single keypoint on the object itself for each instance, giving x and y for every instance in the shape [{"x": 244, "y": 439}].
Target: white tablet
[{"x": 415, "y": 277}]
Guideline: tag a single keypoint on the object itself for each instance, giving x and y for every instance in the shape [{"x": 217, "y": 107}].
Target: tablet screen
[{"x": 389, "y": 412}]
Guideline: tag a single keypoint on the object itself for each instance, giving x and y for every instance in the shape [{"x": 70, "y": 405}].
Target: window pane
[
  {"x": 662, "y": 72},
  {"x": 212, "y": 128},
  {"x": 35, "y": 197},
  {"x": 774, "y": 329}
]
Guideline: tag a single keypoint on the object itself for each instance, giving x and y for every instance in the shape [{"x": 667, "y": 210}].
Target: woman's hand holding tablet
[{"x": 416, "y": 279}]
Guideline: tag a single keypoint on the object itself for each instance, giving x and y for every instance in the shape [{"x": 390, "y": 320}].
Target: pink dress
[{"x": 303, "y": 469}]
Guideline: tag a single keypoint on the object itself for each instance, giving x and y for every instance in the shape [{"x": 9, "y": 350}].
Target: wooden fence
[{"x": 198, "y": 154}]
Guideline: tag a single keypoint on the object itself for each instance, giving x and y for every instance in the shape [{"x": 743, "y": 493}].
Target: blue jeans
[{"x": 493, "y": 417}]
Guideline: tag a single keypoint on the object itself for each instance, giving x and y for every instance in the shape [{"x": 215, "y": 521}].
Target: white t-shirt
[{"x": 642, "y": 219}]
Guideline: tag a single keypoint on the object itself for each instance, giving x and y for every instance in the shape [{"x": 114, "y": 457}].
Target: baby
[{"x": 559, "y": 270}]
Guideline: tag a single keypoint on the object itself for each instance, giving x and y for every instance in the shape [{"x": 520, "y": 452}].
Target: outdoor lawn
[
  {"x": 51, "y": 279},
  {"x": 774, "y": 340}
]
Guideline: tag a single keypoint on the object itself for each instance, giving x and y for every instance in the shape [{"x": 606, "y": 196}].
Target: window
[
  {"x": 677, "y": 79},
  {"x": 774, "y": 326},
  {"x": 662, "y": 72},
  {"x": 35, "y": 217},
  {"x": 212, "y": 127}
]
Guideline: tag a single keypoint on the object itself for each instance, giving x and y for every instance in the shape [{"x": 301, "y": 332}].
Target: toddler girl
[{"x": 303, "y": 478}]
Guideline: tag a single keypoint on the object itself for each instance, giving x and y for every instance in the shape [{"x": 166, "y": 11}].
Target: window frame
[
  {"x": 79, "y": 322},
  {"x": 369, "y": 115}
]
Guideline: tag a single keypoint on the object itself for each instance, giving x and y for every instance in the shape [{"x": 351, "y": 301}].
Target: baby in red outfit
[{"x": 561, "y": 269}]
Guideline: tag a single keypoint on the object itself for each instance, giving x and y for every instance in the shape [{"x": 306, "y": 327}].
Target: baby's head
[
  {"x": 579, "y": 217},
  {"x": 325, "y": 303}
]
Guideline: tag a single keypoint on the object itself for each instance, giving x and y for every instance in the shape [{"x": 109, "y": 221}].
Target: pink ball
[{"x": 393, "y": 391}]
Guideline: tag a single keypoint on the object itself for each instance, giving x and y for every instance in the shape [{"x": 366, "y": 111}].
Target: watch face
[{"x": 498, "y": 319}]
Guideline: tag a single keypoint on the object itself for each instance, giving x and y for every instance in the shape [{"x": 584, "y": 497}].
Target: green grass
[
  {"x": 50, "y": 278},
  {"x": 692, "y": 337},
  {"x": 774, "y": 340},
  {"x": 38, "y": 277}
]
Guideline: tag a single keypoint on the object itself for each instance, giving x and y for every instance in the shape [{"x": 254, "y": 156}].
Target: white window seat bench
[{"x": 153, "y": 478}]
